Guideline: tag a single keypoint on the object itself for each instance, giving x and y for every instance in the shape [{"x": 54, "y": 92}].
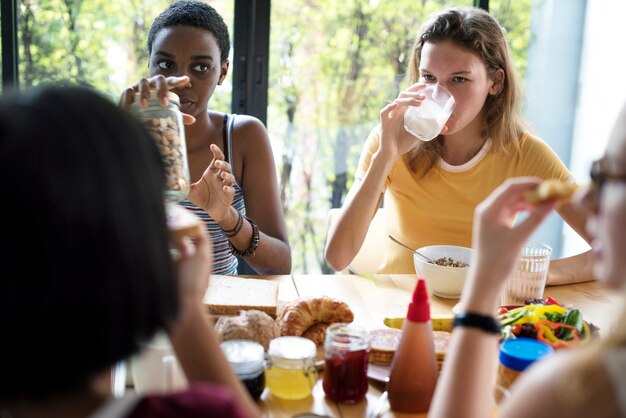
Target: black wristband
[{"x": 486, "y": 323}]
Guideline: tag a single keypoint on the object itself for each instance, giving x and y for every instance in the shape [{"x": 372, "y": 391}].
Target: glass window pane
[
  {"x": 514, "y": 17},
  {"x": 333, "y": 66},
  {"x": 98, "y": 42}
]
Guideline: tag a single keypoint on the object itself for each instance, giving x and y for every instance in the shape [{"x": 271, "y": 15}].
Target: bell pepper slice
[{"x": 545, "y": 334}]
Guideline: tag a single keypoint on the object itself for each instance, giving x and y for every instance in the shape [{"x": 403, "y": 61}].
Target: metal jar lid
[
  {"x": 292, "y": 352},
  {"x": 246, "y": 357}
]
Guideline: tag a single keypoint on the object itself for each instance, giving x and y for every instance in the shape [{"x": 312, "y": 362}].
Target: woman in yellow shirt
[{"x": 431, "y": 188}]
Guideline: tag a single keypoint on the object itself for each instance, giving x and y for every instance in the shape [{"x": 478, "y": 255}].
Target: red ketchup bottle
[{"x": 414, "y": 371}]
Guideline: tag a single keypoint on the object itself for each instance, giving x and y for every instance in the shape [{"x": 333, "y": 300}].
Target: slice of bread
[
  {"x": 227, "y": 295},
  {"x": 383, "y": 345},
  {"x": 442, "y": 341},
  {"x": 181, "y": 222},
  {"x": 551, "y": 189}
]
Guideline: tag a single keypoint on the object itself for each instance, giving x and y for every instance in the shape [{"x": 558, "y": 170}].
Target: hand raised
[{"x": 214, "y": 191}]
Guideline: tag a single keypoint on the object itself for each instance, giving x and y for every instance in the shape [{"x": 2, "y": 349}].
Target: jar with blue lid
[
  {"x": 247, "y": 359},
  {"x": 517, "y": 355}
]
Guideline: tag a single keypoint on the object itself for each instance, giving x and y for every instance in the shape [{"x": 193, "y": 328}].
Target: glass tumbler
[
  {"x": 427, "y": 120},
  {"x": 528, "y": 279}
]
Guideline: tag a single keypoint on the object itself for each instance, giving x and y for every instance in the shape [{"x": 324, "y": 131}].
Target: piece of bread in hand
[
  {"x": 551, "y": 189},
  {"x": 181, "y": 222}
]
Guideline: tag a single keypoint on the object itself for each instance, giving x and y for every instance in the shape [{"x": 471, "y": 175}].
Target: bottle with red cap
[{"x": 414, "y": 371}]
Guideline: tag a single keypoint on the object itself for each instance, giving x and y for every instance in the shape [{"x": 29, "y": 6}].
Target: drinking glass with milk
[{"x": 427, "y": 121}]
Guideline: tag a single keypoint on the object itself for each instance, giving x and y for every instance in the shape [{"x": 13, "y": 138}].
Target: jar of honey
[
  {"x": 165, "y": 124},
  {"x": 291, "y": 372},
  {"x": 516, "y": 356},
  {"x": 346, "y": 353},
  {"x": 247, "y": 359}
]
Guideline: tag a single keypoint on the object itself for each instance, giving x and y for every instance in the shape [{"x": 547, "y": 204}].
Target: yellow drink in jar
[
  {"x": 289, "y": 383},
  {"x": 291, "y": 373}
]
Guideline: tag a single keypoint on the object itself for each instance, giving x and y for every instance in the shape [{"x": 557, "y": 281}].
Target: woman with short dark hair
[{"x": 234, "y": 189}]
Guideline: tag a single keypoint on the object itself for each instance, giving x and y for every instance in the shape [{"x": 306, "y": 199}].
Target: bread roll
[{"x": 248, "y": 325}]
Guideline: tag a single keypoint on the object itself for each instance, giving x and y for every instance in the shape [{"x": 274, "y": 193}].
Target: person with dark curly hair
[
  {"x": 234, "y": 185},
  {"x": 88, "y": 276}
]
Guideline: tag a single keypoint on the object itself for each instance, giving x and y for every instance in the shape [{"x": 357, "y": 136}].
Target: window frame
[
  {"x": 250, "y": 53},
  {"x": 9, "y": 44}
]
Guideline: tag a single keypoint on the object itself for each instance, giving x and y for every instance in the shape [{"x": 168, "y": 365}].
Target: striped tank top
[{"x": 224, "y": 262}]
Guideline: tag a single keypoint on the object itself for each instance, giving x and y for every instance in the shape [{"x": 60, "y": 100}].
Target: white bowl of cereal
[{"x": 446, "y": 276}]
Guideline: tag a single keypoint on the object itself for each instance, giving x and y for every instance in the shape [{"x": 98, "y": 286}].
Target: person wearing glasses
[
  {"x": 430, "y": 189},
  {"x": 235, "y": 189},
  {"x": 586, "y": 382},
  {"x": 87, "y": 183}
]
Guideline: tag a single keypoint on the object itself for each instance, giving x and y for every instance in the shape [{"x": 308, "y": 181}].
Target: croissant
[
  {"x": 316, "y": 332},
  {"x": 297, "y": 316}
]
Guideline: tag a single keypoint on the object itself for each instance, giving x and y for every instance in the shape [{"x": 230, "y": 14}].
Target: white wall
[
  {"x": 552, "y": 87},
  {"x": 602, "y": 91}
]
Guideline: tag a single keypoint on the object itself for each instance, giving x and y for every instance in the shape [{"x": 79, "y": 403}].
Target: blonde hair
[
  {"x": 589, "y": 365},
  {"x": 477, "y": 31}
]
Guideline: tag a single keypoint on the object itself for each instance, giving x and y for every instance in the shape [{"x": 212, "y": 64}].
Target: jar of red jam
[{"x": 346, "y": 353}]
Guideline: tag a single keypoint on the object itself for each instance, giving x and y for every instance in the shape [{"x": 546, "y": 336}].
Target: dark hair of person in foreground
[{"x": 84, "y": 278}]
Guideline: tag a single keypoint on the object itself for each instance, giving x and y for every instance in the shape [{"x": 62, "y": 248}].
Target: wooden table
[{"x": 373, "y": 297}]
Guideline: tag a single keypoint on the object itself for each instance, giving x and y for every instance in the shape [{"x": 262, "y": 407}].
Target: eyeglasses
[{"x": 600, "y": 174}]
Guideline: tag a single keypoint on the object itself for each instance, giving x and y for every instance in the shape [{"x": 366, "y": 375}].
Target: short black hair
[
  {"x": 196, "y": 14},
  {"x": 87, "y": 274}
]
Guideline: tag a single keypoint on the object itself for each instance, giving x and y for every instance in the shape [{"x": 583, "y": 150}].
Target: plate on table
[{"x": 378, "y": 373}]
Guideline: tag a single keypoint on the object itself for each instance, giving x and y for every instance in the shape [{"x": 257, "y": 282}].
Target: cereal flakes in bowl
[{"x": 446, "y": 276}]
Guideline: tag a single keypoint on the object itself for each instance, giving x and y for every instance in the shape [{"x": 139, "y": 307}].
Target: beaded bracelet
[
  {"x": 254, "y": 242},
  {"x": 237, "y": 228}
]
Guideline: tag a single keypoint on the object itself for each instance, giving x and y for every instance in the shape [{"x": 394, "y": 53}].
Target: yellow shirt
[{"x": 439, "y": 208}]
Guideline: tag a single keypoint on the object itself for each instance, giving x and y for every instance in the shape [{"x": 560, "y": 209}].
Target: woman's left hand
[{"x": 214, "y": 191}]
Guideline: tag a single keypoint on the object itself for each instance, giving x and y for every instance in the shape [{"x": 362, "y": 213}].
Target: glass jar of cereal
[{"x": 165, "y": 124}]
